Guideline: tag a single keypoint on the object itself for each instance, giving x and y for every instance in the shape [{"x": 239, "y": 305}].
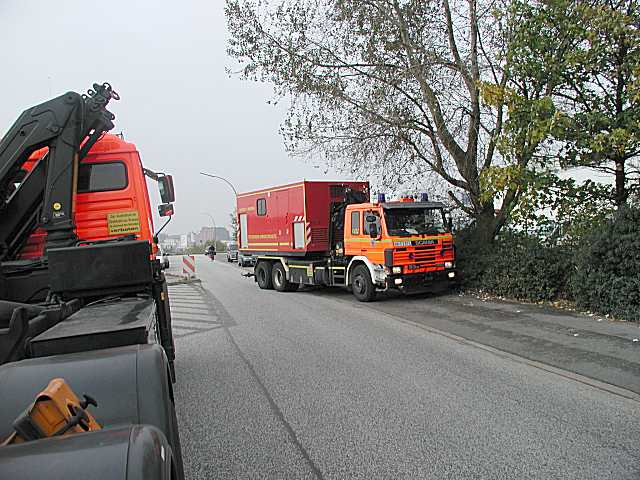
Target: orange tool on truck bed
[{"x": 56, "y": 411}]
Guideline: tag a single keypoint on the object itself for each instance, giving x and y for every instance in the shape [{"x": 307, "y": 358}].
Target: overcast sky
[{"x": 167, "y": 61}]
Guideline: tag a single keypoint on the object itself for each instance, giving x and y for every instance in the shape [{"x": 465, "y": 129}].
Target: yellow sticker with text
[{"x": 121, "y": 223}]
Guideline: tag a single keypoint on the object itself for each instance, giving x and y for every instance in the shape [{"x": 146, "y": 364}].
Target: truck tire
[
  {"x": 263, "y": 275},
  {"x": 362, "y": 285},
  {"x": 279, "y": 279}
]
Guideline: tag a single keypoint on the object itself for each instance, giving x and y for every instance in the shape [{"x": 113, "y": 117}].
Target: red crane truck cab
[
  {"x": 329, "y": 233},
  {"x": 111, "y": 199}
]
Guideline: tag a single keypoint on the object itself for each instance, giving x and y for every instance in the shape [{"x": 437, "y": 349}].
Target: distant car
[
  {"x": 246, "y": 260},
  {"x": 232, "y": 252}
]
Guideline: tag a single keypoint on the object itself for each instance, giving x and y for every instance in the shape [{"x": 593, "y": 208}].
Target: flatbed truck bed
[{"x": 117, "y": 323}]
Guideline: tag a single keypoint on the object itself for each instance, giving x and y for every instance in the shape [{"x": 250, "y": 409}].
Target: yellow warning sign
[{"x": 121, "y": 223}]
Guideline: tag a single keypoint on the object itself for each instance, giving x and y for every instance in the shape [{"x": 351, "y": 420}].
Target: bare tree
[{"x": 386, "y": 86}]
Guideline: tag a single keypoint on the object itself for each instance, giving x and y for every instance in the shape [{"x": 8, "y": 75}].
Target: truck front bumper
[{"x": 423, "y": 282}]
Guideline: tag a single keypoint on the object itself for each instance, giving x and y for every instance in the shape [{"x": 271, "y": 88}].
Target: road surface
[{"x": 315, "y": 385}]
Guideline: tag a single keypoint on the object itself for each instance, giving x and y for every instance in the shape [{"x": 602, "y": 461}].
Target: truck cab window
[
  {"x": 261, "y": 206},
  {"x": 355, "y": 223},
  {"x": 102, "y": 177},
  {"x": 414, "y": 221},
  {"x": 371, "y": 218}
]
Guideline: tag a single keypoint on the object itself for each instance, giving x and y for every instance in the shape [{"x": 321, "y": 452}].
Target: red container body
[{"x": 291, "y": 219}]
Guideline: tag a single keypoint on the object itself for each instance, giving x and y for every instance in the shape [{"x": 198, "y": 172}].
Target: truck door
[
  {"x": 244, "y": 241},
  {"x": 354, "y": 241}
]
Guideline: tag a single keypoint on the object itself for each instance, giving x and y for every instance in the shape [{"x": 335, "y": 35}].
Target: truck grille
[
  {"x": 319, "y": 236},
  {"x": 424, "y": 254}
]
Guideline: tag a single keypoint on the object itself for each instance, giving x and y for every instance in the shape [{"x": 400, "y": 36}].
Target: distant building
[
  {"x": 207, "y": 234},
  {"x": 169, "y": 243}
]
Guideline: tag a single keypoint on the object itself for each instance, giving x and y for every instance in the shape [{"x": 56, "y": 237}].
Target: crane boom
[{"x": 42, "y": 195}]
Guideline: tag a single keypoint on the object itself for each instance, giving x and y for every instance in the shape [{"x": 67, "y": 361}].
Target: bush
[
  {"x": 607, "y": 274},
  {"x": 517, "y": 266},
  {"x": 600, "y": 271}
]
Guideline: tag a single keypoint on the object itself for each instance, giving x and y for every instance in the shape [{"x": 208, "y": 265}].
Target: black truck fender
[
  {"x": 131, "y": 385},
  {"x": 132, "y": 452}
]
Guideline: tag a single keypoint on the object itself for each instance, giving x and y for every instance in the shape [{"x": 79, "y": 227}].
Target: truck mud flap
[{"x": 163, "y": 315}]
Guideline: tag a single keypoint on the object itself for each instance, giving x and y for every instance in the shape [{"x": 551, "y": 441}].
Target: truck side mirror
[
  {"x": 167, "y": 192},
  {"x": 165, "y": 210}
]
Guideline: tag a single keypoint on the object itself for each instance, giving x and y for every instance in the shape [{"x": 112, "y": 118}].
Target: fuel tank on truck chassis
[{"x": 294, "y": 220}]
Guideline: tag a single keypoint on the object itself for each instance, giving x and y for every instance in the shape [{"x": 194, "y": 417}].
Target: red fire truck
[{"x": 329, "y": 233}]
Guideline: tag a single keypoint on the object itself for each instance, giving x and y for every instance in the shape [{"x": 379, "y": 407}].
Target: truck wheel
[
  {"x": 279, "y": 278},
  {"x": 361, "y": 285},
  {"x": 263, "y": 275}
]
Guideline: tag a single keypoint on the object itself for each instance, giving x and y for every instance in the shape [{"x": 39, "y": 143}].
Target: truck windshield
[{"x": 414, "y": 221}]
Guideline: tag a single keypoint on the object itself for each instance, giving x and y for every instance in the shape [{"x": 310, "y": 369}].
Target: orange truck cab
[
  {"x": 111, "y": 197},
  {"x": 405, "y": 244}
]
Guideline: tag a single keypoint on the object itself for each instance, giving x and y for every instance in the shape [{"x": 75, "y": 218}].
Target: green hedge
[
  {"x": 516, "y": 266},
  {"x": 601, "y": 273},
  {"x": 607, "y": 274}
]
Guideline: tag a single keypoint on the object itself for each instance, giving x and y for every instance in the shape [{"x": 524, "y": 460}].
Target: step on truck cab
[{"x": 330, "y": 233}]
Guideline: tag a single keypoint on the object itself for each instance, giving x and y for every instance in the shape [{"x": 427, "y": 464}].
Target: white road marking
[{"x": 194, "y": 316}]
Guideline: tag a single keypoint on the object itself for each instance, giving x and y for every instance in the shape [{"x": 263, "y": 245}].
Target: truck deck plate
[{"x": 106, "y": 325}]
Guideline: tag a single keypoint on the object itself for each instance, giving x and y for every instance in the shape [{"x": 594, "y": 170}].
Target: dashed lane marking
[
  {"x": 191, "y": 310},
  {"x": 191, "y": 313},
  {"x": 194, "y": 316}
]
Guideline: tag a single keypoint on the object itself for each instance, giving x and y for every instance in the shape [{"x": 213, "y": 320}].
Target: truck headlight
[
  {"x": 452, "y": 274},
  {"x": 448, "y": 264},
  {"x": 398, "y": 281},
  {"x": 397, "y": 270}
]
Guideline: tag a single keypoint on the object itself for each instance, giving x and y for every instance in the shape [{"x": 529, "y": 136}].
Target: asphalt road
[{"x": 313, "y": 385}]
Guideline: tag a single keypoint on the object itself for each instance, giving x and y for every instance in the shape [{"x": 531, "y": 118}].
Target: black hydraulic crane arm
[{"x": 68, "y": 125}]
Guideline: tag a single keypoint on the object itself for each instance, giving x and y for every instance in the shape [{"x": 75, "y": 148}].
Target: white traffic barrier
[{"x": 189, "y": 266}]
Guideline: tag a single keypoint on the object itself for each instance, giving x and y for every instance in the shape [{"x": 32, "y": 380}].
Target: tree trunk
[
  {"x": 486, "y": 227},
  {"x": 621, "y": 183}
]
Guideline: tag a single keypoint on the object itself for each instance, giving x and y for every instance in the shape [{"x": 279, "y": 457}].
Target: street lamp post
[{"x": 223, "y": 179}]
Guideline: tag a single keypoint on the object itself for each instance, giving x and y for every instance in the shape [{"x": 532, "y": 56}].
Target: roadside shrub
[
  {"x": 517, "y": 266},
  {"x": 607, "y": 272}
]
